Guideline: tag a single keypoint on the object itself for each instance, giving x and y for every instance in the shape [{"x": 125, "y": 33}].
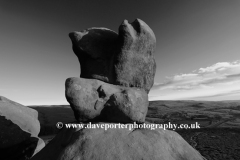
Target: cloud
[
  {"x": 221, "y": 67},
  {"x": 221, "y": 72},
  {"x": 221, "y": 94},
  {"x": 234, "y": 76},
  {"x": 220, "y": 78}
]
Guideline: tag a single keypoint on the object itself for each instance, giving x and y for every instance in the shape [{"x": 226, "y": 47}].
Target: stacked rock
[{"x": 117, "y": 72}]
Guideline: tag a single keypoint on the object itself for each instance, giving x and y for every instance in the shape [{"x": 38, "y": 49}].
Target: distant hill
[{"x": 208, "y": 113}]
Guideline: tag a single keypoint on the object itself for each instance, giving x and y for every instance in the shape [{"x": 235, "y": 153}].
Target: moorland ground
[{"x": 217, "y": 139}]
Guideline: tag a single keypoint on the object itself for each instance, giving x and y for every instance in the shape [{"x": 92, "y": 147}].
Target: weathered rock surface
[
  {"x": 95, "y": 48},
  {"x": 25, "y": 117},
  {"x": 124, "y": 59},
  {"x": 19, "y": 128},
  {"x": 134, "y": 64},
  {"x": 120, "y": 144},
  {"x": 94, "y": 100}
]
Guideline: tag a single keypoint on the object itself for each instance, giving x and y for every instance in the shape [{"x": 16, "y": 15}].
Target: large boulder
[
  {"x": 19, "y": 128},
  {"x": 124, "y": 59},
  {"x": 25, "y": 117},
  {"x": 118, "y": 143},
  {"x": 94, "y": 100}
]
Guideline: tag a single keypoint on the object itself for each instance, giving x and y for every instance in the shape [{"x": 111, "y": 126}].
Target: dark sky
[{"x": 36, "y": 55}]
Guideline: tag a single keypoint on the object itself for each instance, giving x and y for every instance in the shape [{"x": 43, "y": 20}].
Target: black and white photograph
[{"x": 119, "y": 80}]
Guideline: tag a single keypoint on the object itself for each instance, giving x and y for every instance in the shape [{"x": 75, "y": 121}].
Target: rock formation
[
  {"x": 19, "y": 130},
  {"x": 120, "y": 144},
  {"x": 94, "y": 100},
  {"x": 117, "y": 72},
  {"x": 122, "y": 59}
]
